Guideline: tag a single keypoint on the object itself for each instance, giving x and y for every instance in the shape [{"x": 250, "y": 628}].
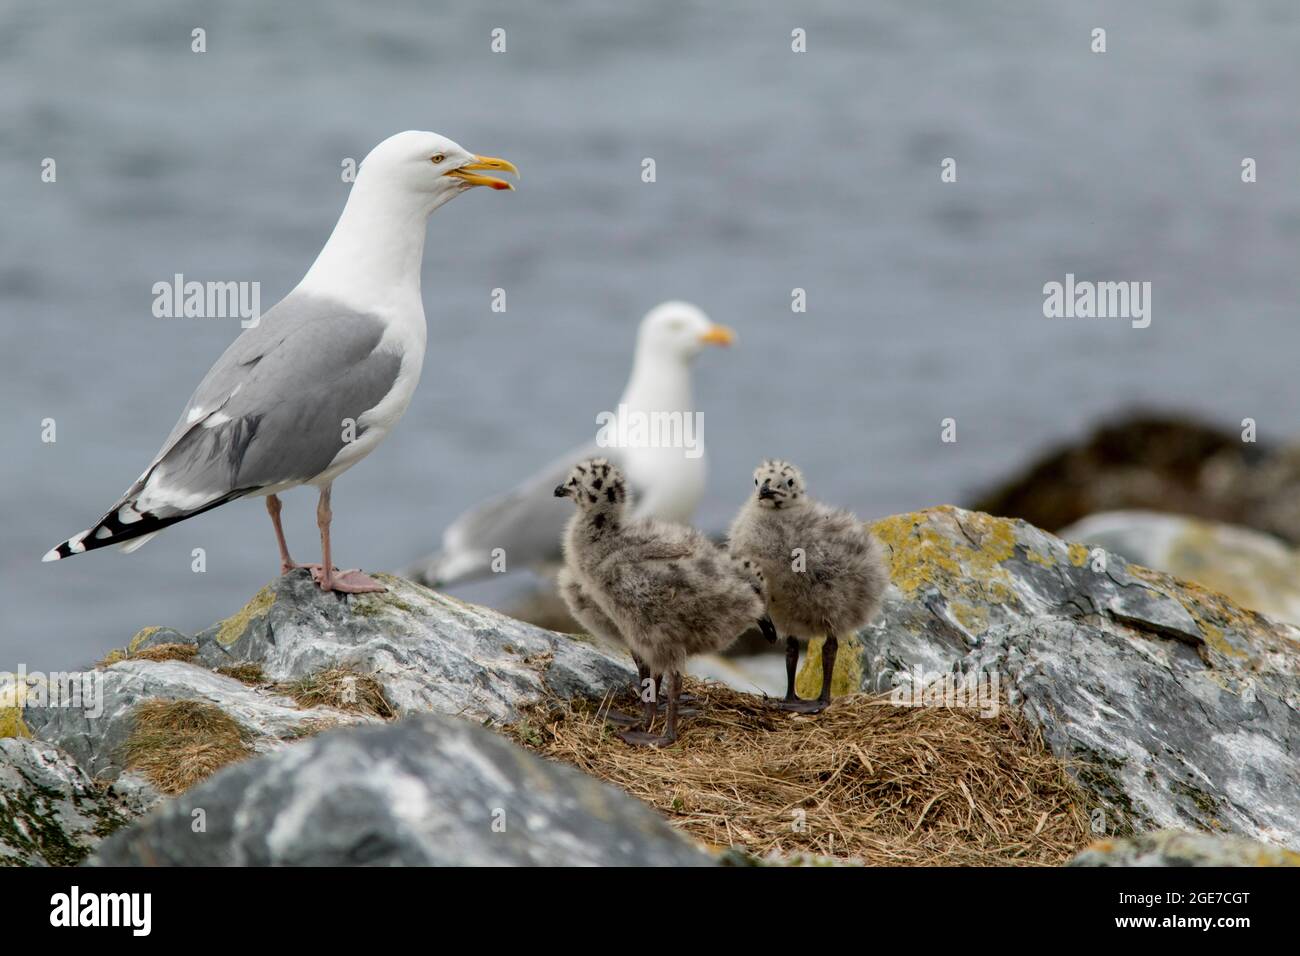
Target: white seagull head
[
  {"x": 679, "y": 330},
  {"x": 429, "y": 166}
]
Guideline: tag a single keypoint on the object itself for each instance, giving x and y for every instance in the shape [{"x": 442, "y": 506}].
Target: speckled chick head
[
  {"x": 594, "y": 484},
  {"x": 779, "y": 484}
]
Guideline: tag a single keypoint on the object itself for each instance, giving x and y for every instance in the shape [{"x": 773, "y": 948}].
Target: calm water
[{"x": 775, "y": 170}]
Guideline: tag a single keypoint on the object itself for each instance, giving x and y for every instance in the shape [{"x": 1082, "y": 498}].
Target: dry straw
[
  {"x": 177, "y": 743},
  {"x": 343, "y": 688},
  {"x": 863, "y": 781}
]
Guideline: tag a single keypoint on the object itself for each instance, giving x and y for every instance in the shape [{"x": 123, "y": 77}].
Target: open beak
[
  {"x": 468, "y": 174},
  {"x": 718, "y": 335}
]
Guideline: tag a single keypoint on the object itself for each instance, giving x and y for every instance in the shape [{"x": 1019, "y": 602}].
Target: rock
[
  {"x": 51, "y": 813},
  {"x": 427, "y": 652},
  {"x": 423, "y": 792},
  {"x": 1177, "y": 848},
  {"x": 430, "y": 652},
  {"x": 1184, "y": 708},
  {"x": 1256, "y": 570},
  {"x": 94, "y": 734},
  {"x": 1158, "y": 463},
  {"x": 752, "y": 674},
  {"x": 154, "y": 637}
]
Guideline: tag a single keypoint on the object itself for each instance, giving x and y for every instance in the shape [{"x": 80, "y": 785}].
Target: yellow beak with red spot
[
  {"x": 468, "y": 173},
  {"x": 718, "y": 335}
]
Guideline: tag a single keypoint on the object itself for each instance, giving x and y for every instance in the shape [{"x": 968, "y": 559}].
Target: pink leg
[
  {"x": 287, "y": 563},
  {"x": 328, "y": 577}
]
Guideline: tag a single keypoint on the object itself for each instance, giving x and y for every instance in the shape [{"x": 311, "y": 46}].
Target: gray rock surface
[
  {"x": 93, "y": 736},
  {"x": 430, "y": 790},
  {"x": 51, "y": 813},
  {"x": 1177, "y": 848},
  {"x": 1256, "y": 570},
  {"x": 430, "y": 652},
  {"x": 1183, "y": 707}
]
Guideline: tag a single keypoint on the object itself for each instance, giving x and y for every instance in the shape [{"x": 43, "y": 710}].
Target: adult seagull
[
  {"x": 665, "y": 481},
  {"x": 320, "y": 381}
]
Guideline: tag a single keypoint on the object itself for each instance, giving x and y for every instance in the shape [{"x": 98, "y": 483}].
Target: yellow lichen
[
  {"x": 233, "y": 627},
  {"x": 11, "y": 723},
  {"x": 140, "y": 637},
  {"x": 972, "y": 618},
  {"x": 114, "y": 656},
  {"x": 1215, "y": 615},
  {"x": 1214, "y": 637},
  {"x": 957, "y": 553},
  {"x": 1078, "y": 555},
  {"x": 847, "y": 677},
  {"x": 1046, "y": 560}
]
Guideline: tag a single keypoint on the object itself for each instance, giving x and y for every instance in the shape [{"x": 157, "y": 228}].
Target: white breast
[{"x": 406, "y": 337}]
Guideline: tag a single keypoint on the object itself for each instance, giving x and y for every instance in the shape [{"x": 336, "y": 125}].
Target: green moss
[
  {"x": 30, "y": 824},
  {"x": 1207, "y": 804},
  {"x": 377, "y": 604},
  {"x": 1093, "y": 770}
]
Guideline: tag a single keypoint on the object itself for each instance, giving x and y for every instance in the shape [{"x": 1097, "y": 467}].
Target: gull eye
[
  {"x": 755, "y": 482},
  {"x": 436, "y": 158},
  {"x": 790, "y": 483}
]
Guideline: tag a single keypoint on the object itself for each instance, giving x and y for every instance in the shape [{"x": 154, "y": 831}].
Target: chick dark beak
[
  {"x": 561, "y": 491},
  {"x": 766, "y": 493}
]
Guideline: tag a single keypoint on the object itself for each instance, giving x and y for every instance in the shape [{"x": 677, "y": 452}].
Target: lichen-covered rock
[
  {"x": 1255, "y": 569},
  {"x": 1177, "y": 848},
  {"x": 430, "y": 790},
  {"x": 430, "y": 652},
  {"x": 153, "y": 637},
  {"x": 1183, "y": 708},
  {"x": 94, "y": 734},
  {"x": 51, "y": 813}
]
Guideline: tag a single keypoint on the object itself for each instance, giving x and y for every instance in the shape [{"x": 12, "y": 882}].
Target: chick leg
[
  {"x": 647, "y": 739},
  {"x": 793, "y": 702},
  {"x": 620, "y": 719},
  {"x": 791, "y": 666},
  {"x": 642, "y": 738},
  {"x": 674, "y": 694}
]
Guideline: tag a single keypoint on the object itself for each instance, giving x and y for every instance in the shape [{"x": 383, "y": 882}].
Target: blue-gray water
[{"x": 775, "y": 170}]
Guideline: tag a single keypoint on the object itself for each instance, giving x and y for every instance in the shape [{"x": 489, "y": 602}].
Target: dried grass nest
[{"x": 865, "y": 781}]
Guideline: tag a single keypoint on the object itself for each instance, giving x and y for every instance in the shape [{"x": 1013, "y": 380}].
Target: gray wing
[
  {"x": 527, "y": 522},
  {"x": 270, "y": 411}
]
